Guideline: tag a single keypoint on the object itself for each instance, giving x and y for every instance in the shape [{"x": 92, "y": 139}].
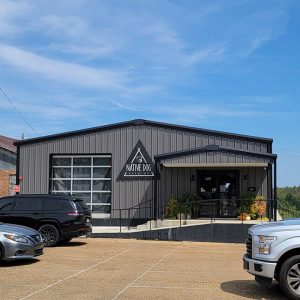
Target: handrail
[
  {"x": 215, "y": 204},
  {"x": 290, "y": 213},
  {"x": 135, "y": 206}
]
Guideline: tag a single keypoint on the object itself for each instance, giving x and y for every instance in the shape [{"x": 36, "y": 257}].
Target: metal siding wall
[
  {"x": 216, "y": 157},
  {"x": 34, "y": 158}
]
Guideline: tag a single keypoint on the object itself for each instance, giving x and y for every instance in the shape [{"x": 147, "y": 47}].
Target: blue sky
[{"x": 225, "y": 65}]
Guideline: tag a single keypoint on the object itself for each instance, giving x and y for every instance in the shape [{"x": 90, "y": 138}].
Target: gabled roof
[
  {"x": 212, "y": 148},
  {"x": 7, "y": 143},
  {"x": 139, "y": 122}
]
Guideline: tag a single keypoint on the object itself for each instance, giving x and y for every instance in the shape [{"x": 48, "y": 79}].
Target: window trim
[{"x": 91, "y": 179}]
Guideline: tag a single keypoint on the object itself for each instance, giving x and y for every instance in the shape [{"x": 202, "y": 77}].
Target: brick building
[{"x": 8, "y": 159}]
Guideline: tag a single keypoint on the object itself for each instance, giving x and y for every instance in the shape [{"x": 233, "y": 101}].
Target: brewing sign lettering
[{"x": 139, "y": 165}]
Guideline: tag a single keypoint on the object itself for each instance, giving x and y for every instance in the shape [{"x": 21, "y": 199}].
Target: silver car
[{"x": 19, "y": 242}]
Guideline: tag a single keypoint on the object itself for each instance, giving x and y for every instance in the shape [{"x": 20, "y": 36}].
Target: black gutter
[
  {"x": 275, "y": 190},
  {"x": 18, "y": 167},
  {"x": 212, "y": 148},
  {"x": 139, "y": 122}
]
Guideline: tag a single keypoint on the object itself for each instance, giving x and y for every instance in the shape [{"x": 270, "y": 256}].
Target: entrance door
[{"x": 222, "y": 186}]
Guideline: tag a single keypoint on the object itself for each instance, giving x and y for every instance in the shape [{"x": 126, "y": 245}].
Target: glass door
[{"x": 222, "y": 186}]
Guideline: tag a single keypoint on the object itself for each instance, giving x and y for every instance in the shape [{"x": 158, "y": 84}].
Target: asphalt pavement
[{"x": 91, "y": 268}]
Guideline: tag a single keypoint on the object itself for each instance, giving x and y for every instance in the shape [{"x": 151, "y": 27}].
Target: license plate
[{"x": 246, "y": 265}]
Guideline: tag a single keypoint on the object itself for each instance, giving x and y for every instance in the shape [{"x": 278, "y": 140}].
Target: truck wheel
[
  {"x": 289, "y": 278},
  {"x": 50, "y": 235}
]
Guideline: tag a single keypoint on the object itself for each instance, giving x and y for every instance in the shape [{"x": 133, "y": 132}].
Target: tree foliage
[{"x": 289, "y": 198}]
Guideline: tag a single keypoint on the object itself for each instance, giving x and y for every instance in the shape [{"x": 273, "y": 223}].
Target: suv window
[
  {"x": 25, "y": 203},
  {"x": 55, "y": 204},
  {"x": 80, "y": 205},
  {"x": 6, "y": 204}
]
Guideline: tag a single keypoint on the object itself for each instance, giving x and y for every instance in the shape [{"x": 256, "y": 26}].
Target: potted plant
[
  {"x": 244, "y": 211},
  {"x": 259, "y": 206},
  {"x": 172, "y": 209},
  {"x": 188, "y": 205}
]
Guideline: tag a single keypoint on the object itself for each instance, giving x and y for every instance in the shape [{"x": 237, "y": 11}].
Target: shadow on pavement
[
  {"x": 252, "y": 290},
  {"x": 18, "y": 263},
  {"x": 71, "y": 244}
]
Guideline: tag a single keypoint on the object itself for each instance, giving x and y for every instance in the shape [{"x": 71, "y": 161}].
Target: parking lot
[{"x": 132, "y": 269}]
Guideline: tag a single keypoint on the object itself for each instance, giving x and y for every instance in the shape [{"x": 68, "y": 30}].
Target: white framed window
[{"x": 85, "y": 176}]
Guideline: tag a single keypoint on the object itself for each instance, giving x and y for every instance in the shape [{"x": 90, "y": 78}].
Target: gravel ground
[{"x": 131, "y": 269}]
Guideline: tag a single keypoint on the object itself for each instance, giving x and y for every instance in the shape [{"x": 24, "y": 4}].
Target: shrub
[
  {"x": 172, "y": 209},
  {"x": 259, "y": 205}
]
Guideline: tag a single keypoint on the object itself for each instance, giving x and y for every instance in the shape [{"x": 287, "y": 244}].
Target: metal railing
[
  {"x": 142, "y": 211},
  {"x": 287, "y": 213},
  {"x": 209, "y": 209}
]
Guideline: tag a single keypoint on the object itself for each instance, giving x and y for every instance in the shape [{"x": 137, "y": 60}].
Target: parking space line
[
  {"x": 80, "y": 272},
  {"x": 172, "y": 287},
  {"x": 147, "y": 271}
]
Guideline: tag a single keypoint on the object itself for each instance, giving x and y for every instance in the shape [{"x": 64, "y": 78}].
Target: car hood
[
  {"x": 17, "y": 229},
  {"x": 286, "y": 225}
]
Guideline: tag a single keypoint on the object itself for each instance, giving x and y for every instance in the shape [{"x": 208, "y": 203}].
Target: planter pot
[
  {"x": 244, "y": 217},
  {"x": 181, "y": 216}
]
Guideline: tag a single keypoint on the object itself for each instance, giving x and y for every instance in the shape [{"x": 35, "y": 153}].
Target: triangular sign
[{"x": 139, "y": 165}]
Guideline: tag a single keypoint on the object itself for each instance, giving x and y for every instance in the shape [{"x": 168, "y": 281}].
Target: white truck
[{"x": 273, "y": 252}]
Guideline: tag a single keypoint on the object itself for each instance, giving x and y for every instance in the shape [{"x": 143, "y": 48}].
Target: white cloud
[
  {"x": 259, "y": 28},
  {"x": 59, "y": 70}
]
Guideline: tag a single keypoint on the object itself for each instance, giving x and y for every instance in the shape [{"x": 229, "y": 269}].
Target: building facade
[
  {"x": 8, "y": 155},
  {"x": 145, "y": 163}
]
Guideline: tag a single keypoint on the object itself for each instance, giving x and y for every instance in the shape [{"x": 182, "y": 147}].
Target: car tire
[
  {"x": 289, "y": 277},
  {"x": 50, "y": 235}
]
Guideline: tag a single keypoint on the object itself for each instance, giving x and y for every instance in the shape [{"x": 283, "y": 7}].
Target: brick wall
[{"x": 4, "y": 181}]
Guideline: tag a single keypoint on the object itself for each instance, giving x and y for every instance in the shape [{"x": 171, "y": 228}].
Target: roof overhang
[
  {"x": 139, "y": 122},
  {"x": 212, "y": 148},
  {"x": 215, "y": 165}
]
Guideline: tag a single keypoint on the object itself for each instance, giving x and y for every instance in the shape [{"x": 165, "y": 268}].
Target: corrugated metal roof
[
  {"x": 7, "y": 143},
  {"x": 139, "y": 122}
]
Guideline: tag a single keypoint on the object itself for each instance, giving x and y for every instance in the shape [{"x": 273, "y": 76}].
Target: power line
[{"x": 14, "y": 107}]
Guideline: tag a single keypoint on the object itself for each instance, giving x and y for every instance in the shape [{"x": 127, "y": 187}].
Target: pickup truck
[{"x": 273, "y": 252}]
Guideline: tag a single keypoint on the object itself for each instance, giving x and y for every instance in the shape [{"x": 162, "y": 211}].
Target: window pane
[
  {"x": 81, "y": 185},
  {"x": 82, "y": 161},
  {"x": 25, "y": 204},
  {"x": 6, "y": 204},
  {"x": 101, "y": 197},
  {"x": 61, "y": 172},
  {"x": 56, "y": 204},
  {"x": 86, "y": 197},
  {"x": 102, "y": 161},
  {"x": 82, "y": 173},
  {"x": 61, "y": 185},
  {"x": 101, "y": 185},
  {"x": 61, "y": 161},
  {"x": 102, "y": 172},
  {"x": 62, "y": 193},
  {"x": 101, "y": 208}
]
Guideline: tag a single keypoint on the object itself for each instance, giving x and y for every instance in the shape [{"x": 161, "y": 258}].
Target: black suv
[{"x": 57, "y": 218}]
